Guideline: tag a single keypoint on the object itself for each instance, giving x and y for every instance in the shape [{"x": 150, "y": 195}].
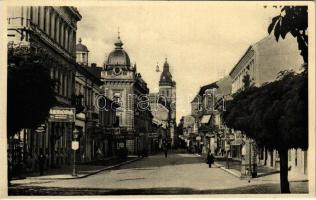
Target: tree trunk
[
  {"x": 265, "y": 155},
  {"x": 52, "y": 147},
  {"x": 285, "y": 187}
]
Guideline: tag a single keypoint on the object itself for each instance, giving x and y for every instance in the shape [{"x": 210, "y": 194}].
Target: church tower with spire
[{"x": 167, "y": 89}]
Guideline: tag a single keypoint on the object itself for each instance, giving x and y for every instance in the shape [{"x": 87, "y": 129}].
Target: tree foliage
[
  {"x": 30, "y": 93},
  {"x": 294, "y": 20},
  {"x": 274, "y": 115}
]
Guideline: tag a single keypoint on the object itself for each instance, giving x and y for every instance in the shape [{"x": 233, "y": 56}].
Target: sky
[{"x": 202, "y": 41}]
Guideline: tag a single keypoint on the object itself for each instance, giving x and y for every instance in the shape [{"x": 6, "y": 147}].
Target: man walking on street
[
  {"x": 210, "y": 159},
  {"x": 41, "y": 160},
  {"x": 166, "y": 152}
]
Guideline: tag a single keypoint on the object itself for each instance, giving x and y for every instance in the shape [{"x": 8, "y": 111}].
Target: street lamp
[{"x": 75, "y": 146}]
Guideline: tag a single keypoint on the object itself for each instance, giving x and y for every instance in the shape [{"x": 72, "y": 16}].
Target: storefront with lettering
[{"x": 60, "y": 132}]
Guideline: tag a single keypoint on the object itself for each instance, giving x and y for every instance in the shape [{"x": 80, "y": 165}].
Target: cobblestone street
[{"x": 177, "y": 174}]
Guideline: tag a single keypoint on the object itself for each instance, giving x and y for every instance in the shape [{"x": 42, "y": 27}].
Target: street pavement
[{"x": 176, "y": 174}]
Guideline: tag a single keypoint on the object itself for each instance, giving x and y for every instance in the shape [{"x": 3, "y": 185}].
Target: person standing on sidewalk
[
  {"x": 41, "y": 161},
  {"x": 166, "y": 152},
  {"x": 210, "y": 159}
]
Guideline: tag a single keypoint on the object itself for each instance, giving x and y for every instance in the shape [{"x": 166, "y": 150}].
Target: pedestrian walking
[
  {"x": 41, "y": 161},
  {"x": 166, "y": 152},
  {"x": 210, "y": 159}
]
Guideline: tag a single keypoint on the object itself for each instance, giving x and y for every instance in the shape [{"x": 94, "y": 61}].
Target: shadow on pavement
[{"x": 272, "y": 188}]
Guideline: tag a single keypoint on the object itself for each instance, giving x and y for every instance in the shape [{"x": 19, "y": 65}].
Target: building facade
[
  {"x": 160, "y": 120},
  {"x": 49, "y": 32},
  {"x": 125, "y": 86},
  {"x": 34, "y": 31},
  {"x": 96, "y": 115},
  {"x": 261, "y": 64}
]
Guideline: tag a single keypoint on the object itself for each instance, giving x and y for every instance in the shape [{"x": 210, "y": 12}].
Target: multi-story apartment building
[
  {"x": 260, "y": 64},
  {"x": 50, "y": 33},
  {"x": 97, "y": 117}
]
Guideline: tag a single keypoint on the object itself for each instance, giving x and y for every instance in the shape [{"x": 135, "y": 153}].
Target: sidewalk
[
  {"x": 66, "y": 172},
  {"x": 265, "y": 173},
  {"x": 235, "y": 170}
]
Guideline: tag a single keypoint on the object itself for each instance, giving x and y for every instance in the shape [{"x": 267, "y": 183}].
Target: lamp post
[
  {"x": 75, "y": 146},
  {"x": 227, "y": 143}
]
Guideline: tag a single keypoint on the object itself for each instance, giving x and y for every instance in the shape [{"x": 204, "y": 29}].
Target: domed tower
[
  {"x": 82, "y": 53},
  {"x": 167, "y": 89},
  {"x": 118, "y": 58}
]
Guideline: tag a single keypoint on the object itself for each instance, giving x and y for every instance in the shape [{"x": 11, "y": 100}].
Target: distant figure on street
[
  {"x": 41, "y": 161},
  {"x": 166, "y": 152},
  {"x": 210, "y": 159}
]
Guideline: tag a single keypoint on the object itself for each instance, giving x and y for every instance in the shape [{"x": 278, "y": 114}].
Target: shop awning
[{"x": 205, "y": 119}]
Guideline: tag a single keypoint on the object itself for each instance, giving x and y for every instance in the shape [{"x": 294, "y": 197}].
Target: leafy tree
[
  {"x": 274, "y": 115},
  {"x": 294, "y": 20},
  {"x": 30, "y": 93}
]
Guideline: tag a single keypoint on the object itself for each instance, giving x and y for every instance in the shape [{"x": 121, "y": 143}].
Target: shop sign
[
  {"x": 62, "y": 114},
  {"x": 74, "y": 145}
]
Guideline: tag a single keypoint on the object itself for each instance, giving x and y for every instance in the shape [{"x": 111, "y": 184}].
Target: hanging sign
[{"x": 74, "y": 145}]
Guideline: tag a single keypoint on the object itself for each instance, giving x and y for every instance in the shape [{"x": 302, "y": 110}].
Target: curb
[
  {"x": 109, "y": 167},
  {"x": 95, "y": 172},
  {"x": 228, "y": 171}
]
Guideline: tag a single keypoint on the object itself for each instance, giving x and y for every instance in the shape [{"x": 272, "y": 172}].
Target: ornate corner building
[{"x": 126, "y": 87}]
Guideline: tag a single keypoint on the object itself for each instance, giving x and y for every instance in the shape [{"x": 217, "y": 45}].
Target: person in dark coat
[
  {"x": 41, "y": 161},
  {"x": 210, "y": 159},
  {"x": 166, "y": 152}
]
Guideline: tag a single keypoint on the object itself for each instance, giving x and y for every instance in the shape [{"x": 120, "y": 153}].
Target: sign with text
[
  {"x": 59, "y": 114},
  {"x": 74, "y": 145}
]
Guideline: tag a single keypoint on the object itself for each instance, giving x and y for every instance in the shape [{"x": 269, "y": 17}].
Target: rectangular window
[
  {"x": 70, "y": 41},
  {"x": 66, "y": 38},
  {"x": 52, "y": 25},
  {"x": 61, "y": 83},
  {"x": 31, "y": 14},
  {"x": 39, "y": 16},
  {"x": 34, "y": 17},
  {"x": 74, "y": 39},
  {"x": 60, "y": 32},
  {"x": 65, "y": 84},
  {"x": 49, "y": 21},
  {"x": 45, "y": 19},
  {"x": 56, "y": 29}
]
